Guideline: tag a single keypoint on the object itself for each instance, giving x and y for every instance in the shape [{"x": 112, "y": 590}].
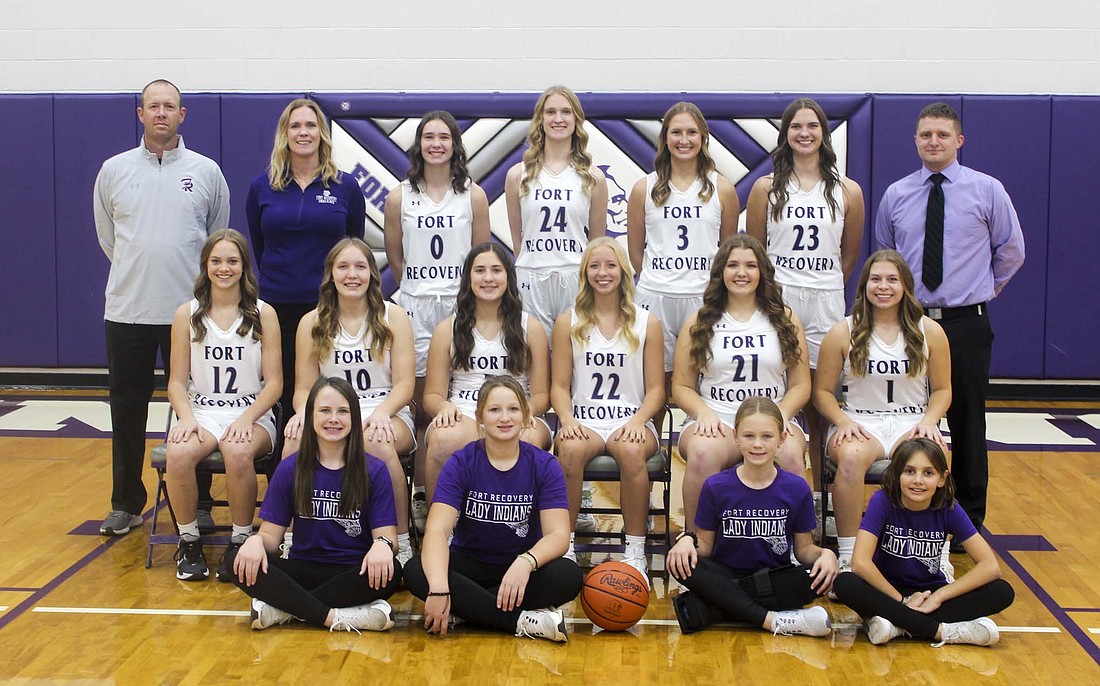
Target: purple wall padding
[
  {"x": 1047, "y": 318},
  {"x": 247, "y": 132},
  {"x": 28, "y": 260},
  {"x": 87, "y": 130},
  {"x": 1072, "y": 312},
  {"x": 992, "y": 129}
]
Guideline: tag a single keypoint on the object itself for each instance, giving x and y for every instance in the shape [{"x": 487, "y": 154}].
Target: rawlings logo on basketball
[{"x": 619, "y": 583}]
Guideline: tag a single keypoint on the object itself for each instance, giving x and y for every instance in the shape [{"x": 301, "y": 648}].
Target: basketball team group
[{"x": 286, "y": 343}]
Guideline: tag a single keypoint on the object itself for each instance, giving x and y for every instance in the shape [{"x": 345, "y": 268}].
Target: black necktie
[{"x": 932, "y": 267}]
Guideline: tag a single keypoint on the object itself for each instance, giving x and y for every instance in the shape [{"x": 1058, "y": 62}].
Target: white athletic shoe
[
  {"x": 946, "y": 567},
  {"x": 548, "y": 624},
  {"x": 374, "y": 616},
  {"x": 812, "y": 621},
  {"x": 638, "y": 562},
  {"x": 586, "y": 523},
  {"x": 264, "y": 615},
  {"x": 881, "y": 630},
  {"x": 404, "y": 555},
  {"x": 419, "y": 511},
  {"x": 977, "y": 632}
]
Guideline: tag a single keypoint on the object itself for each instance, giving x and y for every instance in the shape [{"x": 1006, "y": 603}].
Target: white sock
[
  {"x": 635, "y": 546},
  {"x": 403, "y": 541},
  {"x": 241, "y": 532},
  {"x": 190, "y": 531},
  {"x": 845, "y": 545}
]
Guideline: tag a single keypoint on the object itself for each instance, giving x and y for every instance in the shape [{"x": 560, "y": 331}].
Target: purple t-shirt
[
  {"x": 910, "y": 543},
  {"x": 498, "y": 512},
  {"x": 324, "y": 536},
  {"x": 754, "y": 529}
]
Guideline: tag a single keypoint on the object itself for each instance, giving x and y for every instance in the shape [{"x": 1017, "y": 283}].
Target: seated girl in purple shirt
[
  {"x": 340, "y": 501},
  {"x": 896, "y": 583},
  {"x": 736, "y": 564},
  {"x": 506, "y": 503}
]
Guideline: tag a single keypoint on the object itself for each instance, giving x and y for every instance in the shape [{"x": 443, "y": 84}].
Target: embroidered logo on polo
[
  {"x": 187, "y": 184},
  {"x": 326, "y": 198}
]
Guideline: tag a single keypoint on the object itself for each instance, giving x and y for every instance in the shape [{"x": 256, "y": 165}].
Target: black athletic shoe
[
  {"x": 225, "y": 566},
  {"x": 191, "y": 561}
]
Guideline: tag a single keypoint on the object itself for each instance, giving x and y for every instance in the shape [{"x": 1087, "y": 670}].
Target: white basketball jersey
[
  {"x": 608, "y": 379},
  {"x": 804, "y": 244},
  {"x": 435, "y": 238},
  {"x": 554, "y": 213},
  {"x": 226, "y": 368},
  {"x": 747, "y": 361},
  {"x": 681, "y": 239},
  {"x": 488, "y": 358},
  {"x": 887, "y": 386},
  {"x": 351, "y": 359}
]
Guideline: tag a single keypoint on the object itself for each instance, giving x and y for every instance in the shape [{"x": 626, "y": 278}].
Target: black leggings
[
  {"x": 474, "y": 584},
  {"x": 308, "y": 590},
  {"x": 869, "y": 602},
  {"x": 749, "y": 598}
]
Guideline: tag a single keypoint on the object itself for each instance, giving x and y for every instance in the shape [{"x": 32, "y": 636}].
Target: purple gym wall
[{"x": 1040, "y": 147}]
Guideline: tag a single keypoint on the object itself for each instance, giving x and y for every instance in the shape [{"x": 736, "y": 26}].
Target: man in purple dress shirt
[{"x": 956, "y": 276}]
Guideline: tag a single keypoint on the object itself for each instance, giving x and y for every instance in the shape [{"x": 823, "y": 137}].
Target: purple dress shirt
[{"x": 982, "y": 239}]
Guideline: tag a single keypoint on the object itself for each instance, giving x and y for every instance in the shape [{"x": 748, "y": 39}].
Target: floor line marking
[
  {"x": 61, "y": 578},
  {"x": 141, "y": 611},
  {"x": 418, "y": 617},
  {"x": 1060, "y": 615}
]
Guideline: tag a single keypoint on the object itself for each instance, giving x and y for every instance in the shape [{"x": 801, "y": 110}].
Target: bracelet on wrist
[
  {"x": 438, "y": 594},
  {"x": 530, "y": 558},
  {"x": 689, "y": 534},
  {"x": 387, "y": 542}
]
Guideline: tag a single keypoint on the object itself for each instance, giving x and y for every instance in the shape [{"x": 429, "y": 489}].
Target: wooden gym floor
[{"x": 77, "y": 608}]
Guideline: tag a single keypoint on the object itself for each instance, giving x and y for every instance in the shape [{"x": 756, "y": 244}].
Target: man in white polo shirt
[{"x": 154, "y": 207}]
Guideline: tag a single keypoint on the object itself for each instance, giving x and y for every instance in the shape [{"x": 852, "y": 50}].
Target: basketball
[{"x": 614, "y": 596}]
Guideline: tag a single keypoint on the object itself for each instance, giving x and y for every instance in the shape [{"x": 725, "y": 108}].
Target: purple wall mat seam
[
  {"x": 1046, "y": 256},
  {"x": 17, "y": 611},
  {"x": 56, "y": 233},
  {"x": 1059, "y": 613}
]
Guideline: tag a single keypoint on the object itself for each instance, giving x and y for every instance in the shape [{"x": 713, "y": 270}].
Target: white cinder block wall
[{"x": 880, "y": 46}]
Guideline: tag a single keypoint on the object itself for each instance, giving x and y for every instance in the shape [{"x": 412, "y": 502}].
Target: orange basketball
[{"x": 614, "y": 596}]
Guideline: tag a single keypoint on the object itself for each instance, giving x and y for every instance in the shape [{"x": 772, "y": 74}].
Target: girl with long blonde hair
[
  {"x": 557, "y": 203},
  {"x": 607, "y": 386}
]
